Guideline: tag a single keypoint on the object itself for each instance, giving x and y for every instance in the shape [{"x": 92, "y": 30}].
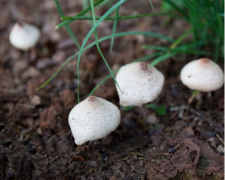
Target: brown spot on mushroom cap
[
  {"x": 204, "y": 61},
  {"x": 92, "y": 99},
  {"x": 144, "y": 66},
  {"x": 20, "y": 24}
]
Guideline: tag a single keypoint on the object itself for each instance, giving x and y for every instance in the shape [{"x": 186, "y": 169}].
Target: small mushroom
[
  {"x": 24, "y": 36},
  {"x": 93, "y": 119},
  {"x": 139, "y": 83},
  {"x": 202, "y": 75}
]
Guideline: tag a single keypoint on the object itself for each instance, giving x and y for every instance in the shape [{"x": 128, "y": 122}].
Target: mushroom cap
[
  {"x": 24, "y": 36},
  {"x": 203, "y": 75},
  {"x": 92, "y": 119},
  {"x": 139, "y": 82}
]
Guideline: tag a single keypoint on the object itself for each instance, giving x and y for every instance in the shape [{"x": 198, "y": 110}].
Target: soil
[{"x": 35, "y": 138}]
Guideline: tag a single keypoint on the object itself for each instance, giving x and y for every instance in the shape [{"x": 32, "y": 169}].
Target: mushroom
[
  {"x": 93, "y": 119},
  {"x": 24, "y": 36},
  {"x": 139, "y": 83},
  {"x": 202, "y": 75}
]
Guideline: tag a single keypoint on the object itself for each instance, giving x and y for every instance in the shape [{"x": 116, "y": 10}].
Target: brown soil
[{"x": 35, "y": 138}]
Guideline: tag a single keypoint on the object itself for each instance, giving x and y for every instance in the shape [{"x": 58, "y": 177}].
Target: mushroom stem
[{"x": 193, "y": 95}]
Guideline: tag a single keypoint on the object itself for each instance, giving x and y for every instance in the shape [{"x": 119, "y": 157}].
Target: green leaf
[
  {"x": 159, "y": 109},
  {"x": 148, "y": 57},
  {"x": 128, "y": 108}
]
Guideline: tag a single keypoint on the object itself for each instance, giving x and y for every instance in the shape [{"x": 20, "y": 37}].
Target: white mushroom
[
  {"x": 202, "y": 75},
  {"x": 92, "y": 119},
  {"x": 24, "y": 36},
  {"x": 139, "y": 82}
]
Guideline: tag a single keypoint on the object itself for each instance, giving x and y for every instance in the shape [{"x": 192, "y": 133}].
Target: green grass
[
  {"x": 115, "y": 21},
  {"x": 97, "y": 44},
  {"x": 67, "y": 26},
  {"x": 150, "y": 1},
  {"x": 85, "y": 11},
  {"x": 205, "y": 17},
  {"x": 95, "y": 26},
  {"x": 163, "y": 54},
  {"x": 132, "y": 33},
  {"x": 71, "y": 19}
]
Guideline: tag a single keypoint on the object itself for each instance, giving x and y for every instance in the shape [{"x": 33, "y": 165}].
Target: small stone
[
  {"x": 220, "y": 149},
  {"x": 188, "y": 131},
  {"x": 212, "y": 142},
  {"x": 31, "y": 72},
  {"x": 35, "y": 100},
  {"x": 45, "y": 63},
  {"x": 152, "y": 119},
  {"x": 59, "y": 56}
]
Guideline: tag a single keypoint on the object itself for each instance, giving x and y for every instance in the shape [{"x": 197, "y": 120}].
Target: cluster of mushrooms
[{"x": 138, "y": 83}]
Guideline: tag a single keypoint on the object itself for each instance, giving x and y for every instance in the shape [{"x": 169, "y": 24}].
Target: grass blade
[
  {"x": 57, "y": 72},
  {"x": 148, "y": 57},
  {"x": 161, "y": 48},
  {"x": 150, "y": 34},
  {"x": 114, "y": 27},
  {"x": 97, "y": 44},
  {"x": 150, "y": 1},
  {"x": 180, "y": 39},
  {"x": 85, "y": 4},
  {"x": 162, "y": 58},
  {"x": 67, "y": 26},
  {"x": 85, "y": 11},
  {"x": 137, "y": 16},
  {"x": 101, "y": 82},
  {"x": 88, "y": 36},
  {"x": 181, "y": 11}
]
